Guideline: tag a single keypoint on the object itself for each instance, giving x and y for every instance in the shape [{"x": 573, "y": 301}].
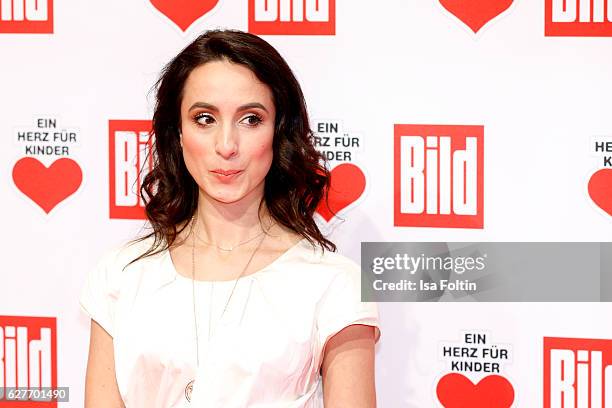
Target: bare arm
[
  {"x": 348, "y": 368},
  {"x": 101, "y": 389}
]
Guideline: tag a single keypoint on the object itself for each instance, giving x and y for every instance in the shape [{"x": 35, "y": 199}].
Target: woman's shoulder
[
  {"x": 120, "y": 271},
  {"x": 122, "y": 253}
]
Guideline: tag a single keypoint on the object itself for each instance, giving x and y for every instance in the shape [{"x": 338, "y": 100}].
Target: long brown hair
[{"x": 296, "y": 181}]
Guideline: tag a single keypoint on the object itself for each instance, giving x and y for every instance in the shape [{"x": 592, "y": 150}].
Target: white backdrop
[{"x": 541, "y": 99}]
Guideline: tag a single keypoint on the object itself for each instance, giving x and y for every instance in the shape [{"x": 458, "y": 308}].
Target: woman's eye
[
  {"x": 204, "y": 119},
  {"x": 253, "y": 120}
]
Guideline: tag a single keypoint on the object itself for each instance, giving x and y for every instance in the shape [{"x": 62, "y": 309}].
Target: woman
[{"x": 235, "y": 299}]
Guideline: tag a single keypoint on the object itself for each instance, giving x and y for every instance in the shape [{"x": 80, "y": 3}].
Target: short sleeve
[
  {"x": 99, "y": 295},
  {"x": 341, "y": 306}
]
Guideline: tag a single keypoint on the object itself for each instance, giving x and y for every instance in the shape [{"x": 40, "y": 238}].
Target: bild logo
[
  {"x": 129, "y": 162},
  {"x": 28, "y": 357},
  {"x": 26, "y": 16},
  {"x": 578, "y": 18},
  {"x": 287, "y": 17},
  {"x": 438, "y": 176},
  {"x": 577, "y": 373}
]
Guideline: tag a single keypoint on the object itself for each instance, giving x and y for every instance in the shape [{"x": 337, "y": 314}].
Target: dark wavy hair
[{"x": 298, "y": 178}]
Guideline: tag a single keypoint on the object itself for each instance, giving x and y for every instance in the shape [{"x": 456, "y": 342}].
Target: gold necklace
[
  {"x": 189, "y": 386},
  {"x": 233, "y": 246}
]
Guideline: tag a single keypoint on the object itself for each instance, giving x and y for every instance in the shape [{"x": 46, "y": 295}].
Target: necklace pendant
[{"x": 188, "y": 390}]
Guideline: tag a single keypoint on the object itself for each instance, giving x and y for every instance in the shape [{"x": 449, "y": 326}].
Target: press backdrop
[{"x": 519, "y": 89}]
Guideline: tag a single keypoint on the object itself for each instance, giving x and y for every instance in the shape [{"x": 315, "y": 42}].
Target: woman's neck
[{"x": 227, "y": 225}]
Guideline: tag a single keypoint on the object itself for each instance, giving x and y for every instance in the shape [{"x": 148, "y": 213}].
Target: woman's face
[{"x": 227, "y": 125}]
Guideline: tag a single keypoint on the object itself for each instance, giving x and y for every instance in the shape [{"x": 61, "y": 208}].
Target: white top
[{"x": 265, "y": 353}]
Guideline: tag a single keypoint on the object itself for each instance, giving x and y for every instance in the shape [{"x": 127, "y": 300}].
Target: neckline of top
[{"x": 279, "y": 259}]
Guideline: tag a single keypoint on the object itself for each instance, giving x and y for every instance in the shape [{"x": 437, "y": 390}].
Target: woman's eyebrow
[{"x": 206, "y": 105}]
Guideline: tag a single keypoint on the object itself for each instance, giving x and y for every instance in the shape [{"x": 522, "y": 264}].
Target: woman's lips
[
  {"x": 226, "y": 172},
  {"x": 226, "y": 175}
]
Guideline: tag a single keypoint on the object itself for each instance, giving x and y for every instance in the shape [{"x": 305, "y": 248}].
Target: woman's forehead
[{"x": 227, "y": 83}]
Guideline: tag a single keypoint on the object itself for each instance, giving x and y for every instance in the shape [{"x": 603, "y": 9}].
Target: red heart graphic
[
  {"x": 47, "y": 187},
  {"x": 457, "y": 391},
  {"x": 476, "y": 13},
  {"x": 347, "y": 185},
  {"x": 600, "y": 189},
  {"x": 184, "y": 12}
]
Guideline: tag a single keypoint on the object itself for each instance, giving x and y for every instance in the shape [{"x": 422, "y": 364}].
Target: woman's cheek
[
  {"x": 197, "y": 150},
  {"x": 265, "y": 148},
  {"x": 264, "y": 154},
  {"x": 196, "y": 147},
  {"x": 195, "y": 156}
]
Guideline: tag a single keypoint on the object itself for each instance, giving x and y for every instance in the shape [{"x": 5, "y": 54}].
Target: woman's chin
[
  {"x": 226, "y": 199},
  {"x": 229, "y": 197},
  {"x": 235, "y": 193}
]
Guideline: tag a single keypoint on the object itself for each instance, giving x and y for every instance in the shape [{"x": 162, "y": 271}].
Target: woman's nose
[{"x": 226, "y": 144}]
